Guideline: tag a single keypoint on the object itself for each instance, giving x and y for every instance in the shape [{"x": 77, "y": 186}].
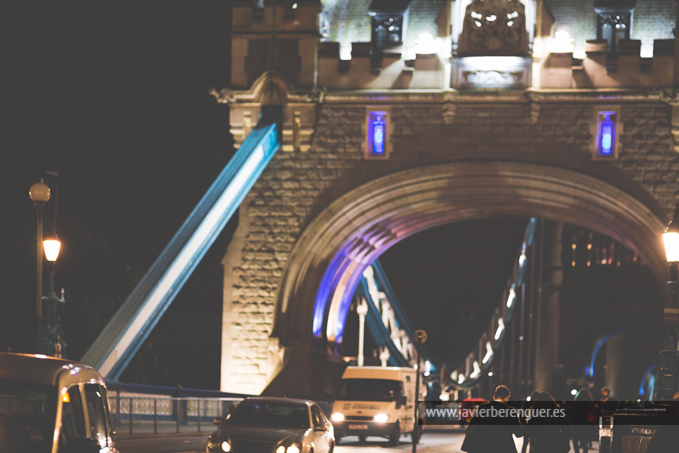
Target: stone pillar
[
  {"x": 615, "y": 367},
  {"x": 550, "y": 307}
]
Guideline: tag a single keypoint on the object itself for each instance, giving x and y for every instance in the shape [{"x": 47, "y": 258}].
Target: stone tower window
[
  {"x": 388, "y": 24},
  {"x": 613, "y": 22}
]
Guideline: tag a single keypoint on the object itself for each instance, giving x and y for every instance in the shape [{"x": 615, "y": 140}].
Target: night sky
[{"x": 114, "y": 96}]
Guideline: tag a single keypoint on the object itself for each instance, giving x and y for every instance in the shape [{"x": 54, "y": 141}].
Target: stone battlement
[{"x": 599, "y": 69}]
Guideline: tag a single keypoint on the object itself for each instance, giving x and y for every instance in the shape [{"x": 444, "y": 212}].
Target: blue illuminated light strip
[
  {"x": 131, "y": 325},
  {"x": 497, "y": 333},
  {"x": 377, "y": 132},
  {"x": 606, "y": 133}
]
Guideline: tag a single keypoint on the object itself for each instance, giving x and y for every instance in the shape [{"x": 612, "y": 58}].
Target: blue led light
[
  {"x": 377, "y": 132},
  {"x": 607, "y": 135}
]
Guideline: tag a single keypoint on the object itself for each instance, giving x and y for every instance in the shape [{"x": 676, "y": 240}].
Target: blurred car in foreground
[
  {"x": 273, "y": 425},
  {"x": 50, "y": 405}
]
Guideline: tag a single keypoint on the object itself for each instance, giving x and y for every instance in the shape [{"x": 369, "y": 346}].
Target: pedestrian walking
[
  {"x": 527, "y": 438},
  {"x": 583, "y": 420},
  {"x": 494, "y": 426},
  {"x": 546, "y": 425}
]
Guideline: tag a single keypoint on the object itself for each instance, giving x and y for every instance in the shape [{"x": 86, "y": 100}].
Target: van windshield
[
  {"x": 27, "y": 416},
  {"x": 370, "y": 390}
]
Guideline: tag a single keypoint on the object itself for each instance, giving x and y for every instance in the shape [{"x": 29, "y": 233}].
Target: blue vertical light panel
[
  {"x": 606, "y": 134},
  {"x": 377, "y": 133}
]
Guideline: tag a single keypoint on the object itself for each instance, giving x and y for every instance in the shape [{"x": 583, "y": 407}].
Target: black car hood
[{"x": 258, "y": 433}]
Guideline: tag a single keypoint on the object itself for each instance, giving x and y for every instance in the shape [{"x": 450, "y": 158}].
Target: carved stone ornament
[
  {"x": 317, "y": 95},
  {"x": 494, "y": 28},
  {"x": 492, "y": 78},
  {"x": 224, "y": 96}
]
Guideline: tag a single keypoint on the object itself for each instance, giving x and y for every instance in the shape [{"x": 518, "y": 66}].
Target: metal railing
[{"x": 165, "y": 415}]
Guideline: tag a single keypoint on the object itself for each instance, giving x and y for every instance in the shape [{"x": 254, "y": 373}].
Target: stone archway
[{"x": 335, "y": 248}]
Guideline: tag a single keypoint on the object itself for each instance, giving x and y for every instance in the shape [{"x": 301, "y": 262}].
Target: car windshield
[
  {"x": 27, "y": 416},
  {"x": 370, "y": 390},
  {"x": 273, "y": 414}
]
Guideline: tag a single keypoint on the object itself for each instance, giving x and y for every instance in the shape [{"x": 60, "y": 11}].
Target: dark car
[{"x": 273, "y": 425}]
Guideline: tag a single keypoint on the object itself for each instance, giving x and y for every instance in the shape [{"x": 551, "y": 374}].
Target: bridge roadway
[{"x": 448, "y": 441}]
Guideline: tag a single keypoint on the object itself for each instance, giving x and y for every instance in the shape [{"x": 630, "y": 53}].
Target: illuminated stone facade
[{"x": 511, "y": 130}]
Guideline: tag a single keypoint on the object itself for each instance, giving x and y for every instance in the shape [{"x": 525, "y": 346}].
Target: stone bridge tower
[{"x": 402, "y": 115}]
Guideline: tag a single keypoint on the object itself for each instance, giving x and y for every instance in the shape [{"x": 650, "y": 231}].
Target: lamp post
[
  {"x": 362, "y": 310},
  {"x": 668, "y": 370},
  {"x": 40, "y": 194},
  {"x": 420, "y": 338},
  {"x": 53, "y": 343}
]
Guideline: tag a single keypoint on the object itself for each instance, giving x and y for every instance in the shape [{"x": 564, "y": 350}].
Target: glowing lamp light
[
  {"x": 512, "y": 296},
  {"x": 500, "y": 328},
  {"x": 377, "y": 132},
  {"x": 52, "y": 247},
  {"x": 562, "y": 42},
  {"x": 425, "y": 44},
  {"x": 574, "y": 392},
  {"x": 671, "y": 238},
  {"x": 460, "y": 379},
  {"x": 489, "y": 352},
  {"x": 477, "y": 370}
]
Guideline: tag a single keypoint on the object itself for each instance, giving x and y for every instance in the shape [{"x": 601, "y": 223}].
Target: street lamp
[
  {"x": 362, "y": 310},
  {"x": 40, "y": 194},
  {"x": 53, "y": 343},
  {"x": 668, "y": 370}
]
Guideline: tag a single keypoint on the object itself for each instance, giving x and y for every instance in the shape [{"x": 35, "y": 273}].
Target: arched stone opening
[{"x": 327, "y": 261}]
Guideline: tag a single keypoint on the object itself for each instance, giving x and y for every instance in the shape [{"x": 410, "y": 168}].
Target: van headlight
[
  {"x": 381, "y": 418},
  {"x": 337, "y": 417}
]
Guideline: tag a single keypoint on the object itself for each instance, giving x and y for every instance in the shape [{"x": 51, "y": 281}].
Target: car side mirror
[
  {"x": 218, "y": 420},
  {"x": 83, "y": 445}
]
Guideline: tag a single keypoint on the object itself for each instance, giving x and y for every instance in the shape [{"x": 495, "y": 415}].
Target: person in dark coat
[
  {"x": 548, "y": 431},
  {"x": 527, "y": 438},
  {"x": 666, "y": 438},
  {"x": 583, "y": 420},
  {"x": 493, "y": 427}
]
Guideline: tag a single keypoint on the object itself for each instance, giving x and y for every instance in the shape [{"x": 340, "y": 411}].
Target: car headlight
[
  {"x": 337, "y": 417},
  {"x": 381, "y": 418},
  {"x": 226, "y": 446},
  {"x": 294, "y": 448}
]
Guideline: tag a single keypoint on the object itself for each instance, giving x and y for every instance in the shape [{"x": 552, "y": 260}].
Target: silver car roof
[{"x": 47, "y": 370}]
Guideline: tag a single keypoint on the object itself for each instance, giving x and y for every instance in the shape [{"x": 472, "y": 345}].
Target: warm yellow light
[
  {"x": 671, "y": 239},
  {"x": 51, "y": 247},
  {"x": 39, "y": 192},
  {"x": 66, "y": 398}
]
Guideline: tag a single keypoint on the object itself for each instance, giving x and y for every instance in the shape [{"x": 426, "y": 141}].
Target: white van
[
  {"x": 375, "y": 401},
  {"x": 50, "y": 405}
]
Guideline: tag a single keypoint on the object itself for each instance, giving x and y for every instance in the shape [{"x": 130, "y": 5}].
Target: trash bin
[{"x": 631, "y": 430}]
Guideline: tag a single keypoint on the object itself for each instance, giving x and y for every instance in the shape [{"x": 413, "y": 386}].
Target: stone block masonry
[{"x": 297, "y": 186}]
